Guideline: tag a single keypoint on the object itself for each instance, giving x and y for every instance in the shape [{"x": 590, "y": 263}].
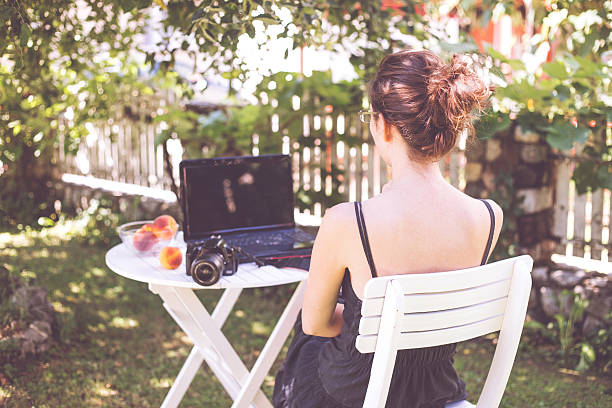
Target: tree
[
  {"x": 72, "y": 60},
  {"x": 59, "y": 59}
]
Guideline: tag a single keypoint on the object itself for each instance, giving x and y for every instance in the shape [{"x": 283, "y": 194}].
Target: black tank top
[{"x": 422, "y": 377}]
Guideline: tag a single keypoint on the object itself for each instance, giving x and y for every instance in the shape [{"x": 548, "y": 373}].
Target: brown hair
[{"x": 428, "y": 101}]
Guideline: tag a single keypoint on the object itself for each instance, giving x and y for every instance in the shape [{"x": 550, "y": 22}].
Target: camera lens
[{"x": 207, "y": 270}]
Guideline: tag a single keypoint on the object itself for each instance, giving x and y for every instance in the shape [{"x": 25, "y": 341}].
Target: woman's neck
[{"x": 406, "y": 172}]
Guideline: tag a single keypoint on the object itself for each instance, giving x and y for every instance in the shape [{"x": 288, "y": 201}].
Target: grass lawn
[{"x": 118, "y": 347}]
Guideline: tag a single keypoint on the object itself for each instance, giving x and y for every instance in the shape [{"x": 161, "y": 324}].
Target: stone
[
  {"x": 534, "y": 153},
  {"x": 33, "y": 299},
  {"x": 36, "y": 338},
  {"x": 525, "y": 136},
  {"x": 591, "y": 326},
  {"x": 581, "y": 291},
  {"x": 472, "y": 172},
  {"x": 488, "y": 179},
  {"x": 535, "y": 199},
  {"x": 531, "y": 175},
  {"x": 567, "y": 279},
  {"x": 548, "y": 300},
  {"x": 474, "y": 151},
  {"x": 39, "y": 331},
  {"x": 596, "y": 282},
  {"x": 28, "y": 297},
  {"x": 533, "y": 298},
  {"x": 540, "y": 275},
  {"x": 600, "y": 307},
  {"x": 150, "y": 207},
  {"x": 534, "y": 229},
  {"x": 493, "y": 150}
]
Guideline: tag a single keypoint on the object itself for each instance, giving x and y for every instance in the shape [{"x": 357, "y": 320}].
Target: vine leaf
[{"x": 563, "y": 135}]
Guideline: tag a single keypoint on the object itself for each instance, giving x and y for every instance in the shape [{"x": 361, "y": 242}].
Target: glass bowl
[{"x": 143, "y": 239}]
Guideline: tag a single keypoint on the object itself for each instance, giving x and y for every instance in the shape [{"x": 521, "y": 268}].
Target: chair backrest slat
[
  {"x": 426, "y": 302},
  {"x": 440, "y": 319},
  {"x": 442, "y": 281},
  {"x": 430, "y": 338}
]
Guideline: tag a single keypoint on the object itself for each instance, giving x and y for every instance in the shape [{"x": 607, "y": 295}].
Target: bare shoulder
[
  {"x": 497, "y": 211},
  {"x": 332, "y": 236},
  {"x": 338, "y": 216},
  {"x": 499, "y": 219}
]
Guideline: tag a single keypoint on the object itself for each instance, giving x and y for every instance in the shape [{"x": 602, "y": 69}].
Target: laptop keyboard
[{"x": 268, "y": 238}]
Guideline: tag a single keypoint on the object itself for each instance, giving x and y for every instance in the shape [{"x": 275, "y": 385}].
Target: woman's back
[{"x": 418, "y": 228}]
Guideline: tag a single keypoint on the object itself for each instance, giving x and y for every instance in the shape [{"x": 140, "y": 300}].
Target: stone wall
[
  {"x": 553, "y": 293},
  {"x": 525, "y": 159}
]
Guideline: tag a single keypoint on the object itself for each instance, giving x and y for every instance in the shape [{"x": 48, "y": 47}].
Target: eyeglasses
[{"x": 367, "y": 116}]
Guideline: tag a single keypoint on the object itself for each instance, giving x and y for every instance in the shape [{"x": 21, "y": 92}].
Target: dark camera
[{"x": 207, "y": 261}]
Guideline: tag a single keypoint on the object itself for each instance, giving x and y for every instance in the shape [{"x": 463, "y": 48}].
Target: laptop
[{"x": 248, "y": 200}]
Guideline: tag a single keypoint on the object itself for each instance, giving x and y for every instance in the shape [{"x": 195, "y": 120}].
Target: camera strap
[{"x": 253, "y": 258}]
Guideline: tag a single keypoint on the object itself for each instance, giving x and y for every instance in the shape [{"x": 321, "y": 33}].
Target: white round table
[{"x": 176, "y": 288}]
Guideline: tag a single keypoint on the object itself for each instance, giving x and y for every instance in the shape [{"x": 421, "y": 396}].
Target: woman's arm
[{"x": 321, "y": 315}]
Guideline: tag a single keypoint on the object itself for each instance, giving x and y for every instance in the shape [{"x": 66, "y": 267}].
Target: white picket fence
[
  {"x": 123, "y": 151},
  {"x": 581, "y": 222}
]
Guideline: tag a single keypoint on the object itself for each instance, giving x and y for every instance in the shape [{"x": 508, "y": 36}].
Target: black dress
[{"x": 323, "y": 372}]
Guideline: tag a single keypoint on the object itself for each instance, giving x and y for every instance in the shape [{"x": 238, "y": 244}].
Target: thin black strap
[
  {"x": 486, "y": 252},
  {"x": 364, "y": 237}
]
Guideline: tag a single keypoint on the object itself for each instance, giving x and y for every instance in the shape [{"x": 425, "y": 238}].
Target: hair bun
[
  {"x": 429, "y": 101},
  {"x": 457, "y": 93}
]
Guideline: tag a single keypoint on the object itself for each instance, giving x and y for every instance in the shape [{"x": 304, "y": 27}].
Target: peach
[
  {"x": 165, "y": 227},
  {"x": 170, "y": 257},
  {"x": 144, "y": 239}
]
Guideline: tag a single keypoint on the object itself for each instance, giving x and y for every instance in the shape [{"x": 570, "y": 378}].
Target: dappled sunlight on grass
[
  {"x": 97, "y": 328},
  {"x": 4, "y": 394},
  {"x": 113, "y": 293},
  {"x": 164, "y": 382},
  {"x": 60, "y": 307},
  {"x": 178, "y": 345},
  {"x": 124, "y": 323},
  {"x": 104, "y": 390},
  {"x": 76, "y": 287},
  {"x": 182, "y": 337},
  {"x": 99, "y": 272},
  {"x": 260, "y": 328},
  {"x": 9, "y": 252}
]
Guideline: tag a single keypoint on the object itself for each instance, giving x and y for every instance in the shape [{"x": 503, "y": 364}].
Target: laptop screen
[{"x": 223, "y": 194}]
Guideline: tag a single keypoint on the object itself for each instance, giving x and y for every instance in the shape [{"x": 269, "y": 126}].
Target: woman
[{"x": 418, "y": 224}]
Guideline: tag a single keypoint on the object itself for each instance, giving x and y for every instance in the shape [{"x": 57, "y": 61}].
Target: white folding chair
[{"x": 423, "y": 310}]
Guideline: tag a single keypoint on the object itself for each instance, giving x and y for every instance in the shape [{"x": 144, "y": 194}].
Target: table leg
[
  {"x": 271, "y": 349},
  {"x": 198, "y": 355},
  {"x": 204, "y": 331},
  {"x": 183, "y": 379}
]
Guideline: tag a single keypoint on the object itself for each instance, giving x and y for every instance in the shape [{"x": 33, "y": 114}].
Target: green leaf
[
  {"x": 495, "y": 54},
  {"x": 490, "y": 124},
  {"x": 587, "y": 357},
  {"x": 563, "y": 92},
  {"x": 585, "y": 177},
  {"x": 562, "y": 135},
  {"x": 267, "y": 18},
  {"x": 556, "y": 69},
  {"x": 604, "y": 176},
  {"x": 161, "y": 138},
  {"x": 45, "y": 222},
  {"x": 24, "y": 35}
]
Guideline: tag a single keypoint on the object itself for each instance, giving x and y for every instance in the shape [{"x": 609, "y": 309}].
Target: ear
[{"x": 386, "y": 131}]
